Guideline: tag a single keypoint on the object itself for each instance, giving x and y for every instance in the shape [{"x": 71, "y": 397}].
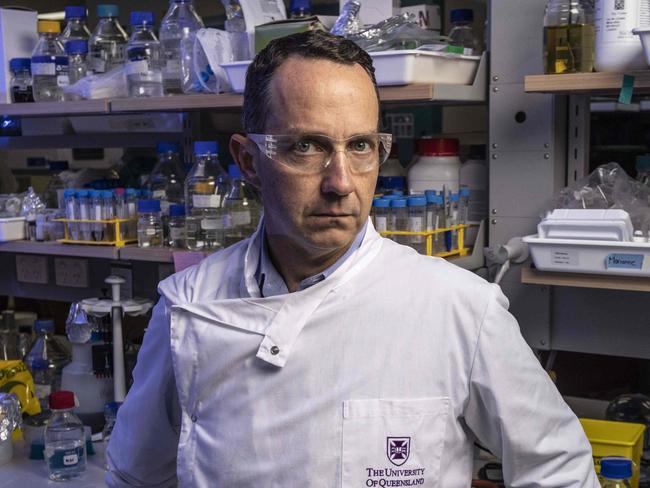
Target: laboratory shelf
[
  {"x": 577, "y": 280},
  {"x": 88, "y": 140},
  {"x": 55, "y": 109},
  {"x": 586, "y": 83},
  {"x": 58, "y": 249},
  {"x": 178, "y": 103},
  {"x": 135, "y": 253}
]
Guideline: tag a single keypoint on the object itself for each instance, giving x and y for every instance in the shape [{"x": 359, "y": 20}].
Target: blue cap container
[
  {"x": 43, "y": 325},
  {"x": 76, "y": 46},
  {"x": 82, "y": 194},
  {"x": 75, "y": 12},
  {"x": 148, "y": 206},
  {"x": 417, "y": 201},
  {"x": 139, "y": 18},
  {"x": 69, "y": 193},
  {"x": 462, "y": 15},
  {"x": 398, "y": 203},
  {"x": 20, "y": 63},
  {"x": 176, "y": 210},
  {"x": 454, "y": 197},
  {"x": 464, "y": 192},
  {"x": 390, "y": 197},
  {"x": 381, "y": 202},
  {"x": 434, "y": 199},
  {"x": 166, "y": 147},
  {"x": 108, "y": 10},
  {"x": 205, "y": 147},
  {"x": 616, "y": 468}
]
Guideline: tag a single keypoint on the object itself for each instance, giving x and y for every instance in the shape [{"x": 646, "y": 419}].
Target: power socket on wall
[
  {"x": 32, "y": 269},
  {"x": 71, "y": 272}
]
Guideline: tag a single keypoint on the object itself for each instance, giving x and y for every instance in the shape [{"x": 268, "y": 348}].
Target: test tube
[
  {"x": 417, "y": 206},
  {"x": 84, "y": 214},
  {"x": 400, "y": 212},
  {"x": 439, "y": 222},
  {"x": 71, "y": 212},
  {"x": 381, "y": 210},
  {"x": 96, "y": 213},
  {"x": 131, "y": 211},
  {"x": 108, "y": 211},
  {"x": 454, "y": 201}
]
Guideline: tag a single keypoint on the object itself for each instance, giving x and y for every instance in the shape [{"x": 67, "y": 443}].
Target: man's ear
[{"x": 240, "y": 148}]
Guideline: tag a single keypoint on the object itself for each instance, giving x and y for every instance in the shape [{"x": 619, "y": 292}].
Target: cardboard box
[
  {"x": 428, "y": 16},
  {"x": 18, "y": 36},
  {"x": 373, "y": 11}
]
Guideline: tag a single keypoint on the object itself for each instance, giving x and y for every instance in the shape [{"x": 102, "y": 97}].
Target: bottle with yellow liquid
[{"x": 569, "y": 36}]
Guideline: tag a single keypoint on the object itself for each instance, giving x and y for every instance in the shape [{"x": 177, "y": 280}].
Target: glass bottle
[
  {"x": 75, "y": 27},
  {"x": 176, "y": 226},
  {"x": 65, "y": 439},
  {"x": 110, "y": 415},
  {"x": 179, "y": 23},
  {"x": 166, "y": 179},
  {"x": 77, "y": 51},
  {"x": 299, "y": 9},
  {"x": 150, "y": 230},
  {"x": 348, "y": 22},
  {"x": 203, "y": 200},
  {"x": 42, "y": 381},
  {"x": 569, "y": 36},
  {"x": 241, "y": 208},
  {"x": 108, "y": 40},
  {"x": 615, "y": 472},
  {"x": 143, "y": 58},
  {"x": 47, "y": 346},
  {"x": 236, "y": 26},
  {"x": 49, "y": 64},
  {"x": 21, "y": 80},
  {"x": 462, "y": 38}
]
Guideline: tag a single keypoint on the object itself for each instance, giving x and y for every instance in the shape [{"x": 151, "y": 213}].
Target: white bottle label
[
  {"x": 415, "y": 225},
  {"x": 206, "y": 201},
  {"x": 381, "y": 223},
  {"x": 158, "y": 194},
  {"x": 243, "y": 217},
  {"x": 173, "y": 68},
  {"x": 211, "y": 224},
  {"x": 43, "y": 69},
  {"x": 150, "y": 231},
  {"x": 615, "y": 19},
  {"x": 176, "y": 233},
  {"x": 70, "y": 459}
]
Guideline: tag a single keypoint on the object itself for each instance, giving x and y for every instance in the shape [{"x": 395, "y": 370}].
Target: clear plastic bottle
[
  {"x": 25, "y": 339},
  {"x": 569, "y": 36},
  {"x": 21, "y": 80},
  {"x": 47, "y": 346},
  {"x": 110, "y": 414},
  {"x": 417, "y": 206},
  {"x": 143, "y": 58},
  {"x": 179, "y": 23},
  {"x": 49, "y": 64},
  {"x": 203, "y": 200},
  {"x": 616, "y": 472},
  {"x": 399, "y": 209},
  {"x": 42, "y": 381},
  {"x": 150, "y": 229},
  {"x": 462, "y": 37},
  {"x": 381, "y": 209},
  {"x": 77, "y": 51},
  {"x": 108, "y": 40},
  {"x": 65, "y": 439},
  {"x": 71, "y": 213},
  {"x": 75, "y": 27},
  {"x": 348, "y": 22},
  {"x": 299, "y": 9},
  {"x": 176, "y": 235},
  {"x": 241, "y": 208},
  {"x": 166, "y": 179},
  {"x": 236, "y": 27}
]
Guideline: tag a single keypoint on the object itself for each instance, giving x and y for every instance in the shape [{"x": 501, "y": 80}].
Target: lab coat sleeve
[
  {"x": 143, "y": 445},
  {"x": 515, "y": 410}
]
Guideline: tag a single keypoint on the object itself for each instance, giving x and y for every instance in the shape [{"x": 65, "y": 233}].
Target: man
[{"x": 318, "y": 354}]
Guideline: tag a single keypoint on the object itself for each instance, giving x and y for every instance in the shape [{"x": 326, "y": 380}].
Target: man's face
[{"x": 322, "y": 212}]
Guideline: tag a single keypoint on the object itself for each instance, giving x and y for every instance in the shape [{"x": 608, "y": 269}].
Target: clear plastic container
[
  {"x": 131, "y": 211},
  {"x": 42, "y": 381},
  {"x": 150, "y": 229},
  {"x": 435, "y": 219},
  {"x": 49, "y": 64},
  {"x": 177, "y": 27},
  {"x": 204, "y": 196},
  {"x": 110, "y": 415},
  {"x": 77, "y": 51},
  {"x": 380, "y": 211},
  {"x": 417, "y": 206},
  {"x": 437, "y": 166},
  {"x": 474, "y": 175},
  {"x": 97, "y": 213},
  {"x": 616, "y": 472},
  {"x": 176, "y": 235},
  {"x": 75, "y": 28},
  {"x": 400, "y": 216},
  {"x": 143, "y": 58},
  {"x": 46, "y": 346},
  {"x": 65, "y": 439},
  {"x": 462, "y": 38},
  {"x": 241, "y": 208},
  {"x": 166, "y": 179},
  {"x": 236, "y": 27},
  {"x": 21, "y": 80},
  {"x": 569, "y": 36},
  {"x": 108, "y": 40},
  {"x": 83, "y": 203}
]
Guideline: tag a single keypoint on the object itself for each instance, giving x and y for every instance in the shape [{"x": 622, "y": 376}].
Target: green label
[{"x": 66, "y": 458}]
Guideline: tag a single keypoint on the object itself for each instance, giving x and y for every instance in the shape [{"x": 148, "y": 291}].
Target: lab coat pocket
[{"x": 393, "y": 442}]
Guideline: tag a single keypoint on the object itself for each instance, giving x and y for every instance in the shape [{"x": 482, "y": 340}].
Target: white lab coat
[{"x": 384, "y": 374}]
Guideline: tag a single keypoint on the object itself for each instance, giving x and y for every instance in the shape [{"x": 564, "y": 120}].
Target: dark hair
[{"x": 314, "y": 44}]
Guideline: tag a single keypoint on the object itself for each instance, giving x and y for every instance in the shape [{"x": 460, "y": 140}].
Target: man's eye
[
  {"x": 305, "y": 147},
  {"x": 361, "y": 145}
]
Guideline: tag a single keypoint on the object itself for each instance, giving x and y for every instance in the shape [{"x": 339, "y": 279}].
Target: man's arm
[
  {"x": 144, "y": 442},
  {"x": 516, "y": 411}
]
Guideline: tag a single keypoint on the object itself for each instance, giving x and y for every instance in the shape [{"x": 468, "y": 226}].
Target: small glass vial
[
  {"x": 21, "y": 80},
  {"x": 65, "y": 439},
  {"x": 176, "y": 226},
  {"x": 417, "y": 206},
  {"x": 150, "y": 229},
  {"x": 381, "y": 209},
  {"x": 400, "y": 214}
]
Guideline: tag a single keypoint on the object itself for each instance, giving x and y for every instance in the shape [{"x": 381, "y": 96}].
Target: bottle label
[
  {"x": 615, "y": 19},
  {"x": 176, "y": 233},
  {"x": 143, "y": 70},
  {"x": 172, "y": 68},
  {"x": 415, "y": 225},
  {"x": 206, "y": 201},
  {"x": 66, "y": 458},
  {"x": 211, "y": 224},
  {"x": 381, "y": 223},
  {"x": 42, "y": 390},
  {"x": 61, "y": 67},
  {"x": 241, "y": 218},
  {"x": 158, "y": 194},
  {"x": 150, "y": 231},
  {"x": 43, "y": 66}
]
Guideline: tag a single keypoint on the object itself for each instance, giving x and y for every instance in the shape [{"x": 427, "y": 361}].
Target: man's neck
[{"x": 295, "y": 263}]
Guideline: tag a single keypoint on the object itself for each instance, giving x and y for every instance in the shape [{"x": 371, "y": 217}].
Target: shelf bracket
[{"x": 578, "y": 137}]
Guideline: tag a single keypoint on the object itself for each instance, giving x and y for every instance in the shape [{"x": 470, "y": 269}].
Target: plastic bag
[
  {"x": 111, "y": 84},
  {"x": 209, "y": 48},
  {"x": 609, "y": 186},
  {"x": 398, "y": 32}
]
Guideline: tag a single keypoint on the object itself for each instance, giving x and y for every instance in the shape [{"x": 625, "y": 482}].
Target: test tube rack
[
  {"x": 460, "y": 250},
  {"x": 116, "y": 226}
]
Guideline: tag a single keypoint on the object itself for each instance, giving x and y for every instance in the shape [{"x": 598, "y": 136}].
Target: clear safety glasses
[{"x": 312, "y": 153}]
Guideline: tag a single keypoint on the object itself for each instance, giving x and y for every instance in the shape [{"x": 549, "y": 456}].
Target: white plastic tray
[
  {"x": 418, "y": 66},
  {"x": 236, "y": 72},
  {"x": 12, "y": 229},
  {"x": 590, "y": 257}
]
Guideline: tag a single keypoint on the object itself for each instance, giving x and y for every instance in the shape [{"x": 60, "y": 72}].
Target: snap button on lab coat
[
  {"x": 193, "y": 418},
  {"x": 275, "y": 350}
]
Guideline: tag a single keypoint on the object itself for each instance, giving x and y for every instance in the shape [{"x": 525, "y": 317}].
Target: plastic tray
[
  {"x": 417, "y": 66},
  {"x": 590, "y": 257},
  {"x": 236, "y": 72},
  {"x": 12, "y": 229}
]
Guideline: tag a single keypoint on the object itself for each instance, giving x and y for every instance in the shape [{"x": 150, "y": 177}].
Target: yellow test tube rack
[
  {"x": 116, "y": 228},
  {"x": 460, "y": 251}
]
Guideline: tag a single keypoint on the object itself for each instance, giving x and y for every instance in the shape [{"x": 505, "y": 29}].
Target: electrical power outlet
[
  {"x": 71, "y": 272},
  {"x": 31, "y": 269}
]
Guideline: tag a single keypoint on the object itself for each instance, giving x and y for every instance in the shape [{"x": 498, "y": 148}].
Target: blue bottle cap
[
  {"x": 111, "y": 408},
  {"x": 148, "y": 206},
  {"x": 464, "y": 192},
  {"x": 107, "y": 193},
  {"x": 615, "y": 468},
  {"x": 20, "y": 63},
  {"x": 399, "y": 193},
  {"x": 39, "y": 364},
  {"x": 298, "y": 6},
  {"x": 234, "y": 171},
  {"x": 76, "y": 46},
  {"x": 398, "y": 203},
  {"x": 139, "y": 18},
  {"x": 380, "y": 203},
  {"x": 434, "y": 199},
  {"x": 390, "y": 197},
  {"x": 392, "y": 182},
  {"x": 454, "y": 197},
  {"x": 176, "y": 210},
  {"x": 95, "y": 193},
  {"x": 69, "y": 193},
  {"x": 82, "y": 194},
  {"x": 462, "y": 15},
  {"x": 417, "y": 201},
  {"x": 43, "y": 325},
  {"x": 131, "y": 192},
  {"x": 75, "y": 11},
  {"x": 108, "y": 10},
  {"x": 165, "y": 147},
  {"x": 205, "y": 147}
]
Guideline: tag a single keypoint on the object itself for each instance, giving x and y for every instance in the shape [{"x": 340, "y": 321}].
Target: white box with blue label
[{"x": 18, "y": 36}]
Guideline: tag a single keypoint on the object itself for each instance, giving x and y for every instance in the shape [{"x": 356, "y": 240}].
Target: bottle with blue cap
[
  {"x": 462, "y": 39},
  {"x": 77, "y": 51},
  {"x": 108, "y": 41},
  {"x": 380, "y": 212},
  {"x": 242, "y": 209},
  {"x": 97, "y": 214},
  {"x": 166, "y": 179},
  {"x": 176, "y": 234},
  {"x": 21, "y": 80},
  {"x": 46, "y": 346},
  {"x": 205, "y": 191},
  {"x": 616, "y": 472},
  {"x": 42, "y": 381},
  {"x": 75, "y": 27},
  {"x": 417, "y": 205},
  {"x": 299, "y": 9},
  {"x": 143, "y": 58},
  {"x": 150, "y": 228}
]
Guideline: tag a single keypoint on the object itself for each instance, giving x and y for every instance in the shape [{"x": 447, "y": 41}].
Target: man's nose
[{"x": 336, "y": 177}]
